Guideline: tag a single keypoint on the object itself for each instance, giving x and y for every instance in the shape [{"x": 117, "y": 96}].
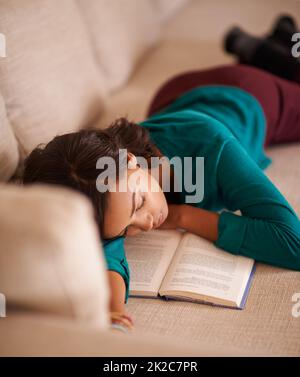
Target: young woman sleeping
[{"x": 227, "y": 115}]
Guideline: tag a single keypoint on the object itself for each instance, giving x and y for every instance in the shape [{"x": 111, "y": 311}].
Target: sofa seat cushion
[
  {"x": 57, "y": 336},
  {"x": 165, "y": 61}
]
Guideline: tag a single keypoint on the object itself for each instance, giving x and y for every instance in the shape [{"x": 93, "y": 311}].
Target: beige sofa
[{"x": 74, "y": 63}]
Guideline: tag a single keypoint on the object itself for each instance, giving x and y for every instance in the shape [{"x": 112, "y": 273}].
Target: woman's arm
[
  {"x": 199, "y": 221},
  {"x": 117, "y": 292},
  {"x": 195, "y": 220},
  {"x": 117, "y": 306},
  {"x": 118, "y": 273},
  {"x": 268, "y": 230}
]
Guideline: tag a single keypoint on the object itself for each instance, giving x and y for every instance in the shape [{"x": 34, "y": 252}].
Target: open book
[{"x": 175, "y": 264}]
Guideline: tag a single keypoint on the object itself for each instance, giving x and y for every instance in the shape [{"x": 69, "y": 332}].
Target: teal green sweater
[{"x": 226, "y": 126}]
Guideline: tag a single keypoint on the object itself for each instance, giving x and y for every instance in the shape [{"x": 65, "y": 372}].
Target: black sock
[
  {"x": 262, "y": 53},
  {"x": 275, "y": 59},
  {"x": 241, "y": 44},
  {"x": 283, "y": 29}
]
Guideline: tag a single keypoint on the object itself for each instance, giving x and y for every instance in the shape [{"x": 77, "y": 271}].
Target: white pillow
[
  {"x": 121, "y": 31},
  {"x": 51, "y": 258}
]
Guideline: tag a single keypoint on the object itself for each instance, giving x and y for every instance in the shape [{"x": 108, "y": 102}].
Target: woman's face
[{"x": 136, "y": 209}]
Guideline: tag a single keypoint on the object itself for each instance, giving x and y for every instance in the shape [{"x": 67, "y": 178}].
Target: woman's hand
[
  {"x": 122, "y": 319},
  {"x": 174, "y": 217}
]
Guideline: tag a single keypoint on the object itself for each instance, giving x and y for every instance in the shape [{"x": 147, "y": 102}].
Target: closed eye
[{"x": 141, "y": 204}]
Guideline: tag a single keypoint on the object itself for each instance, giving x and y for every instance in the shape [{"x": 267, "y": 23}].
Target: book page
[
  {"x": 149, "y": 255},
  {"x": 199, "y": 267}
]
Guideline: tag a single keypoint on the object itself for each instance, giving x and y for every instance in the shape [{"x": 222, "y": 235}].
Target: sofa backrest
[
  {"x": 49, "y": 79},
  {"x": 64, "y": 58},
  {"x": 166, "y": 9},
  {"x": 121, "y": 32},
  {"x": 51, "y": 258}
]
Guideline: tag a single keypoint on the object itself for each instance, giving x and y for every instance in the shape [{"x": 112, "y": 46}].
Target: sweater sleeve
[
  {"x": 116, "y": 260},
  {"x": 269, "y": 229}
]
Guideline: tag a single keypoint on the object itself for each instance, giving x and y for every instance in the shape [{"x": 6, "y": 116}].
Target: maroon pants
[{"x": 280, "y": 99}]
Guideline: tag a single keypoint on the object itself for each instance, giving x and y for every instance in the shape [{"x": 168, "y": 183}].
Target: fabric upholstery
[
  {"x": 51, "y": 257},
  {"x": 57, "y": 336},
  {"x": 9, "y": 154},
  {"x": 166, "y": 9},
  {"x": 49, "y": 80},
  {"x": 121, "y": 31}
]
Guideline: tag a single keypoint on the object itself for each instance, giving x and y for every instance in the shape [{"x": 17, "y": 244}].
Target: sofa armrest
[{"x": 51, "y": 258}]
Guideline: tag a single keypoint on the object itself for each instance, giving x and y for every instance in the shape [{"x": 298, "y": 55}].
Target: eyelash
[{"x": 125, "y": 232}]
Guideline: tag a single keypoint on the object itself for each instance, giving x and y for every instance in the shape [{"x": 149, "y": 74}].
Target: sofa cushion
[
  {"x": 66, "y": 338},
  {"x": 49, "y": 79},
  {"x": 51, "y": 258},
  {"x": 121, "y": 31},
  {"x": 169, "y": 59},
  {"x": 166, "y": 8},
  {"x": 9, "y": 155}
]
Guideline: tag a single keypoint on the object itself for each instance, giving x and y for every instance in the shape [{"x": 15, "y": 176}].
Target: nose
[{"x": 148, "y": 223}]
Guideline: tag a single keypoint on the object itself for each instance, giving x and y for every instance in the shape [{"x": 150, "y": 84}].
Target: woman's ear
[{"x": 132, "y": 161}]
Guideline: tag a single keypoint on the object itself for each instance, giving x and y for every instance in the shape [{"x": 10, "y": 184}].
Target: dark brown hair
[{"x": 70, "y": 159}]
